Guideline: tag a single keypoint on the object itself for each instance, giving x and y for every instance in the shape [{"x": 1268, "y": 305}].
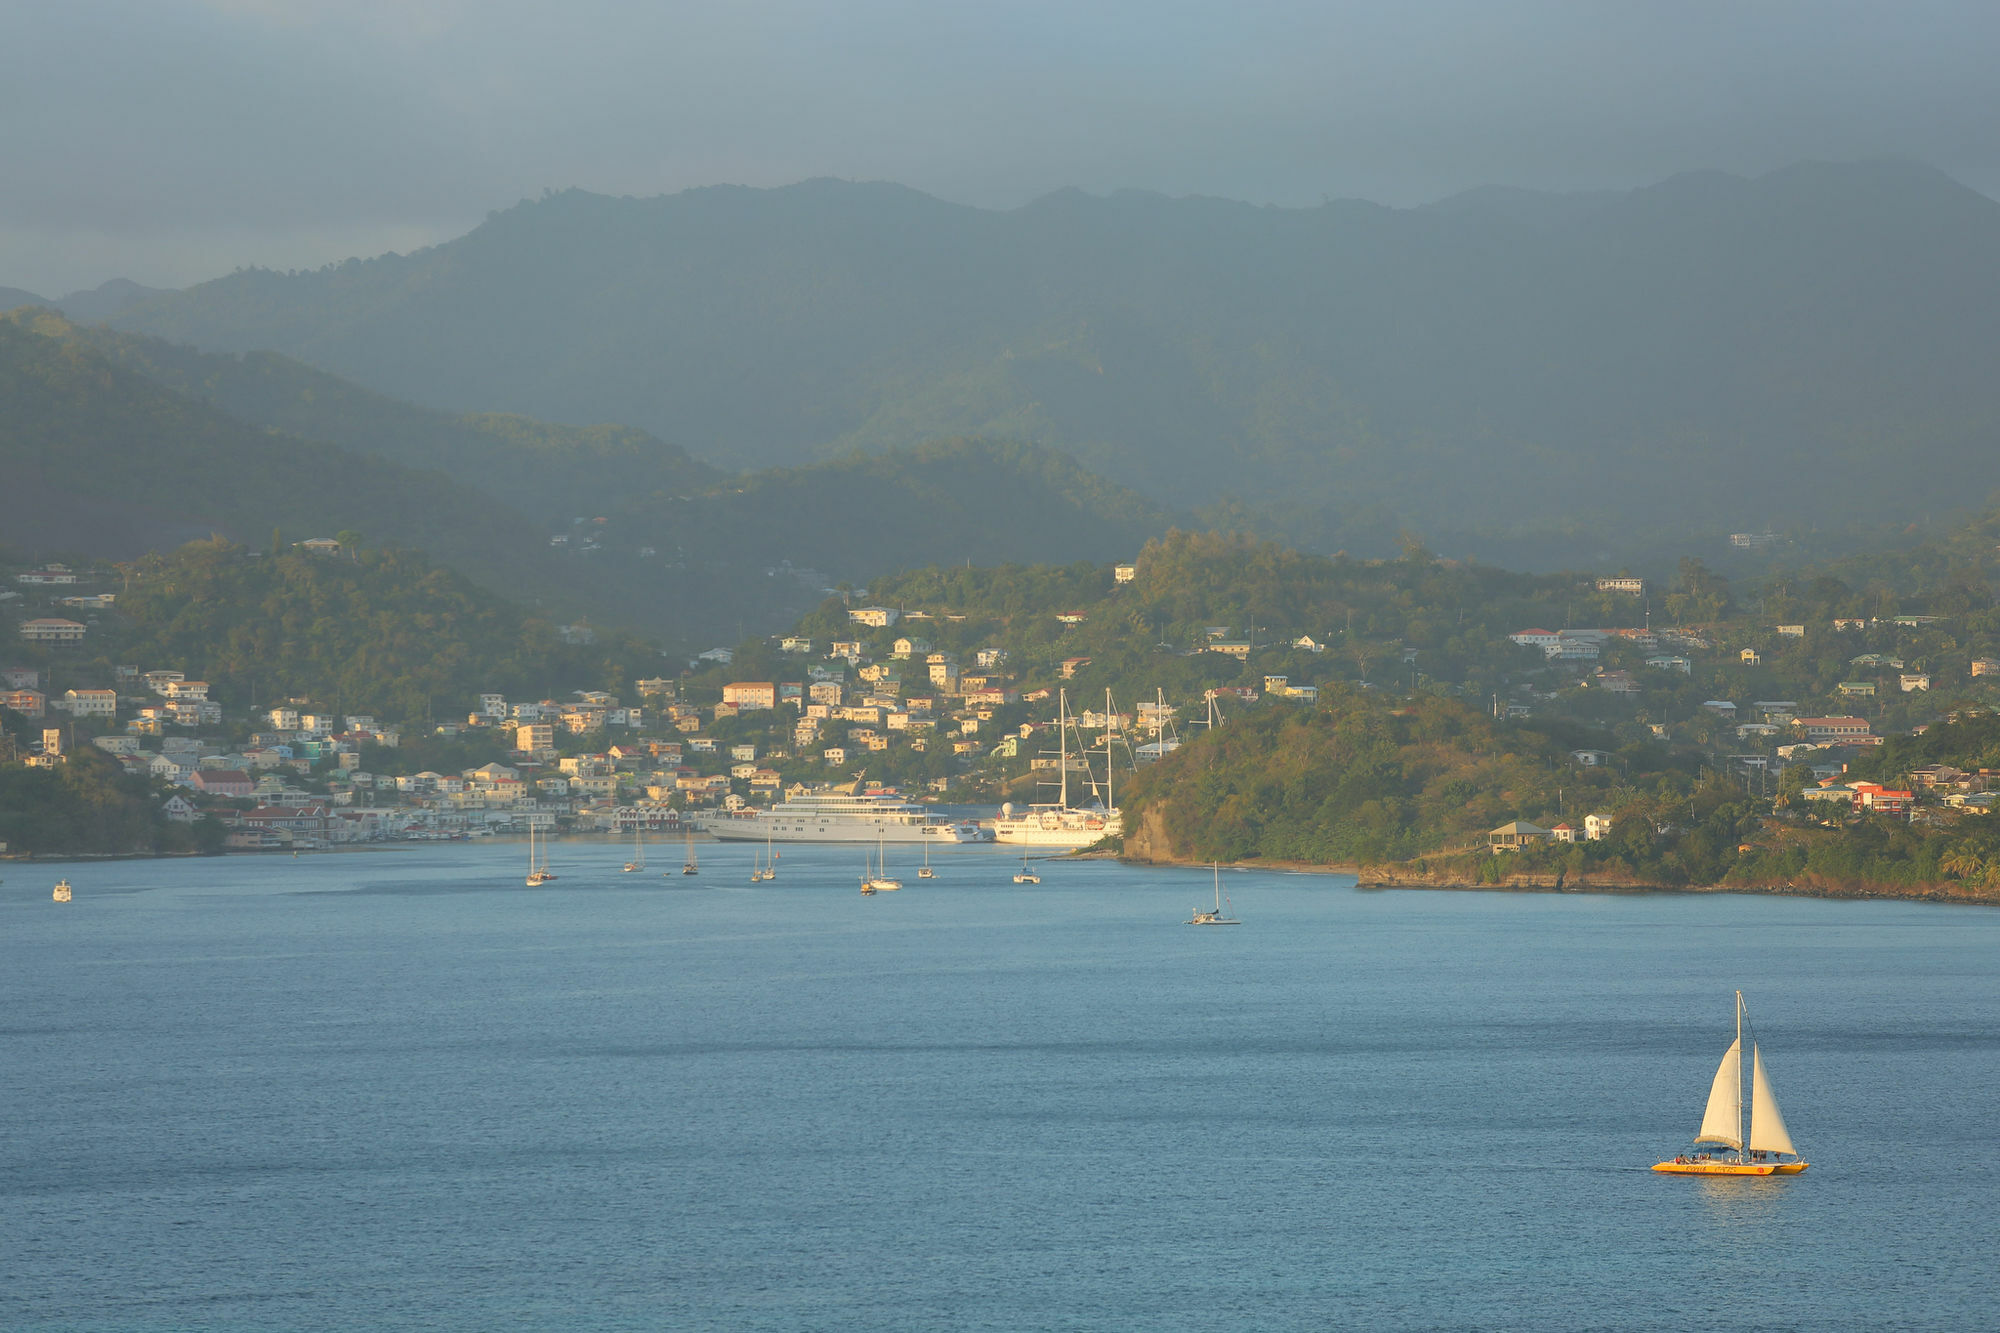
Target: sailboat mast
[
  {"x": 1110, "y": 801},
  {"x": 1062, "y": 744},
  {"x": 1742, "y": 1130}
]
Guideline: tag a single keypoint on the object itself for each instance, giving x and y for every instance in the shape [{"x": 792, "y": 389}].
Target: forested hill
[
  {"x": 1713, "y": 352},
  {"x": 375, "y": 631},
  {"x": 116, "y": 445},
  {"x": 547, "y": 471},
  {"x": 104, "y": 461}
]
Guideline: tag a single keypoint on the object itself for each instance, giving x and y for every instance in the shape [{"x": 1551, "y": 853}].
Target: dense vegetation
[
  {"x": 89, "y": 804},
  {"x": 1364, "y": 777},
  {"x": 1510, "y": 374},
  {"x": 118, "y": 444},
  {"x": 380, "y": 631},
  {"x": 549, "y": 472},
  {"x": 1414, "y": 621},
  {"x": 103, "y": 461}
]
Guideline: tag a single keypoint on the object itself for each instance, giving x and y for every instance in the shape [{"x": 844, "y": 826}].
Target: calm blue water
[{"x": 402, "y": 1090}]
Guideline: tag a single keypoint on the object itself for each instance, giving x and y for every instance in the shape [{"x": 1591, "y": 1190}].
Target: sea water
[{"x": 403, "y": 1090}]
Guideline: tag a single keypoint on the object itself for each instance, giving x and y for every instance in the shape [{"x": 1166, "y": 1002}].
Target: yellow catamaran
[{"x": 1757, "y": 1132}]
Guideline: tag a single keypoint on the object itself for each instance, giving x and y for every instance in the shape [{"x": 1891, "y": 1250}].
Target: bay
[{"x": 402, "y": 1090}]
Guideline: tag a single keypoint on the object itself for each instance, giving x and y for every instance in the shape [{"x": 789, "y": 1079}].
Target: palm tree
[{"x": 1964, "y": 863}]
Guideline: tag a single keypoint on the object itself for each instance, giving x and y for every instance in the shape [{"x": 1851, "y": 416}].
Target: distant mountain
[
  {"x": 1814, "y": 346},
  {"x": 986, "y": 501},
  {"x": 114, "y": 445},
  {"x": 94, "y": 306},
  {"x": 552, "y": 473},
  {"x": 106, "y": 301},
  {"x": 100, "y": 460}
]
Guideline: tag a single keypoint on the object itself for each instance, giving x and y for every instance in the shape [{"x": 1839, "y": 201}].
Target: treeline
[
  {"x": 88, "y": 804},
  {"x": 382, "y": 632},
  {"x": 1364, "y": 777}
]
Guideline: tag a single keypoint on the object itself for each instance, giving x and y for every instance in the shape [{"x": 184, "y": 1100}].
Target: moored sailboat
[
  {"x": 1757, "y": 1131},
  {"x": 690, "y": 868},
  {"x": 538, "y": 870},
  {"x": 1214, "y": 917},
  {"x": 879, "y": 880},
  {"x": 638, "y": 861}
]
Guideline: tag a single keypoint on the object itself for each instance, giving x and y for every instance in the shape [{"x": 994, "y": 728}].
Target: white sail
[
  {"x": 1767, "y": 1125},
  {"x": 1718, "y": 1122}
]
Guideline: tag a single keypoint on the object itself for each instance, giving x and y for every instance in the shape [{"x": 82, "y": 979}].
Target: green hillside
[
  {"x": 550, "y": 472},
  {"x": 1521, "y": 376},
  {"x": 118, "y": 445},
  {"x": 379, "y": 631},
  {"x": 104, "y": 461}
]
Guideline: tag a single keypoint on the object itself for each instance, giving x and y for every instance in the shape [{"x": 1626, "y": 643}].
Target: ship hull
[
  {"x": 1070, "y": 832},
  {"x": 1730, "y": 1168},
  {"x": 783, "y": 829}
]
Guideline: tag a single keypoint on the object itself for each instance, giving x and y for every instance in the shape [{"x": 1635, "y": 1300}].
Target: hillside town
[{"x": 881, "y": 705}]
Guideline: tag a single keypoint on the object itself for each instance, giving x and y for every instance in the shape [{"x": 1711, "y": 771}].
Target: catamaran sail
[
  {"x": 1767, "y": 1123},
  {"x": 1725, "y": 1099}
]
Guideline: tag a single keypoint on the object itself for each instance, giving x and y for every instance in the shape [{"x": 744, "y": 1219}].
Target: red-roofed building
[
  {"x": 1883, "y": 800},
  {"x": 231, "y": 782}
]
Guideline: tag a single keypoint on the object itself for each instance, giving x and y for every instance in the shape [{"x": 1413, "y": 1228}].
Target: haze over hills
[
  {"x": 116, "y": 444},
  {"x": 1499, "y": 369},
  {"x": 550, "y": 472},
  {"x": 97, "y": 303}
]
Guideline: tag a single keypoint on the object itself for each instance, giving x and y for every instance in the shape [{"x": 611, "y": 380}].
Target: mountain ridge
[{"x": 1800, "y": 347}]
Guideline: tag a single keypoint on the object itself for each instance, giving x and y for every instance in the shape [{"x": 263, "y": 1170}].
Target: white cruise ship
[{"x": 839, "y": 815}]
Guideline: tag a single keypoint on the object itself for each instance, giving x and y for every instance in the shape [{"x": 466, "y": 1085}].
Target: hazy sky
[{"x": 173, "y": 140}]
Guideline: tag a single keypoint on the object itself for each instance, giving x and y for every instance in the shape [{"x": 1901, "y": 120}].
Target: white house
[
  {"x": 53, "y": 630},
  {"x": 91, "y": 703},
  {"x": 1596, "y": 828},
  {"x": 875, "y": 617}
]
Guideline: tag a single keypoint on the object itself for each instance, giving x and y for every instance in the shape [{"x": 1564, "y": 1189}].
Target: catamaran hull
[{"x": 1730, "y": 1168}]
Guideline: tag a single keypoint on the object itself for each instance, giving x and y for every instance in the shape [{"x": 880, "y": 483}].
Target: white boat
[
  {"x": 843, "y": 814},
  {"x": 62, "y": 890},
  {"x": 1025, "y": 875},
  {"x": 1215, "y": 916},
  {"x": 638, "y": 861},
  {"x": 1063, "y": 825},
  {"x": 538, "y": 870},
  {"x": 878, "y": 879},
  {"x": 1757, "y": 1131},
  {"x": 765, "y": 865},
  {"x": 689, "y": 868},
  {"x": 924, "y": 871}
]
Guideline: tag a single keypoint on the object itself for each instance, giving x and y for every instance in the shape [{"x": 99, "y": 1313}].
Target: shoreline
[{"x": 1384, "y": 878}]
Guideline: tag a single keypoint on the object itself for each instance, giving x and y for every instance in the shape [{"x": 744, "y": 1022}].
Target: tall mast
[
  {"x": 1742, "y": 1130},
  {"x": 1110, "y": 802},
  {"x": 1062, "y": 743}
]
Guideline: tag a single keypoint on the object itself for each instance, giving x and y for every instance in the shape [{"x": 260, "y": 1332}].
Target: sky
[{"x": 172, "y": 141}]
